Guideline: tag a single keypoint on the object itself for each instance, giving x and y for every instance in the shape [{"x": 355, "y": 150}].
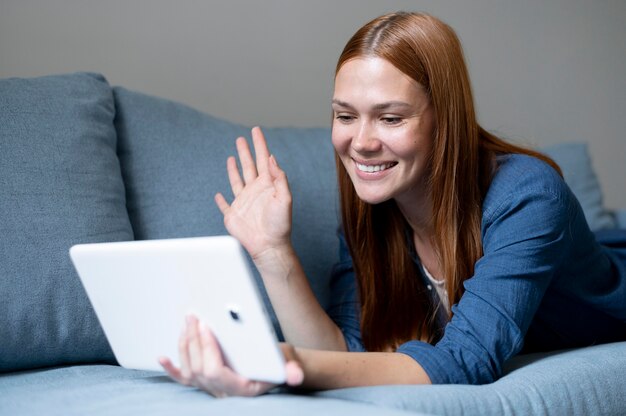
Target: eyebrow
[{"x": 378, "y": 107}]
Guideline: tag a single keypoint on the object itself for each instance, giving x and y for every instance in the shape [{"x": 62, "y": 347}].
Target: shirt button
[{"x": 429, "y": 287}]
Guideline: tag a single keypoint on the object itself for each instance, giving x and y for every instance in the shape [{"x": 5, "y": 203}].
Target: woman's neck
[
  {"x": 417, "y": 211},
  {"x": 416, "y": 207}
]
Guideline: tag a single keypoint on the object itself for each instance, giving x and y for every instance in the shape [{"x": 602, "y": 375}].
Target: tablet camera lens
[{"x": 235, "y": 315}]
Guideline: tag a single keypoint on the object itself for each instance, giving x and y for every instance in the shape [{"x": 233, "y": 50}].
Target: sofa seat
[
  {"x": 588, "y": 381},
  {"x": 111, "y": 390}
]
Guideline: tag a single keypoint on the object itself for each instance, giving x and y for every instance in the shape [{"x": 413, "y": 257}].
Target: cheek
[
  {"x": 340, "y": 138},
  {"x": 410, "y": 144},
  {"x": 402, "y": 145}
]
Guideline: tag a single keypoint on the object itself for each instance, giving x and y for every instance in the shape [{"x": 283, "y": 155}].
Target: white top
[{"x": 440, "y": 287}]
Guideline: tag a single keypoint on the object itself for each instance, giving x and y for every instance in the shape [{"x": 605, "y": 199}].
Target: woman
[{"x": 436, "y": 212}]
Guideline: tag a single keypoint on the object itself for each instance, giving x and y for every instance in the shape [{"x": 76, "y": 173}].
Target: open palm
[{"x": 260, "y": 215}]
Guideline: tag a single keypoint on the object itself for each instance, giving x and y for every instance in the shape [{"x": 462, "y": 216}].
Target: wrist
[{"x": 275, "y": 260}]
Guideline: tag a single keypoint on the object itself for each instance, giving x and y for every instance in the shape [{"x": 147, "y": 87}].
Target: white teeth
[{"x": 373, "y": 168}]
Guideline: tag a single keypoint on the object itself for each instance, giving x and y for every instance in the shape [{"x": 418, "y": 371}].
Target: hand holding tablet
[
  {"x": 203, "y": 365},
  {"x": 142, "y": 291}
]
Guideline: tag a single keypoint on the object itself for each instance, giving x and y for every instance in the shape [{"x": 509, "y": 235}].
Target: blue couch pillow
[
  {"x": 575, "y": 162},
  {"x": 60, "y": 184},
  {"x": 173, "y": 161}
]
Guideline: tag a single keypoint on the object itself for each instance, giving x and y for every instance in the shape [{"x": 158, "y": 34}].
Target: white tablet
[{"x": 142, "y": 291}]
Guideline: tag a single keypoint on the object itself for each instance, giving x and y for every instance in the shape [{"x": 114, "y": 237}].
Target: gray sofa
[{"x": 81, "y": 162}]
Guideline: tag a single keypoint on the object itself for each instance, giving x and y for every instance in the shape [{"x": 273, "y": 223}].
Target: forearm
[
  {"x": 325, "y": 370},
  {"x": 303, "y": 321}
]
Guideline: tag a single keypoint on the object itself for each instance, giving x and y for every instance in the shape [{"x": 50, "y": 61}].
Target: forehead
[{"x": 374, "y": 80}]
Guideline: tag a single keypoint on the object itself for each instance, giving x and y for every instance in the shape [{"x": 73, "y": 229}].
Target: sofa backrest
[
  {"x": 60, "y": 184},
  {"x": 81, "y": 162},
  {"x": 173, "y": 161}
]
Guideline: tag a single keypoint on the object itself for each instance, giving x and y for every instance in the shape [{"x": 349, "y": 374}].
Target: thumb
[{"x": 294, "y": 374}]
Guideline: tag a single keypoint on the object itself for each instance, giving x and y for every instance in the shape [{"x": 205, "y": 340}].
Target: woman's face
[{"x": 383, "y": 129}]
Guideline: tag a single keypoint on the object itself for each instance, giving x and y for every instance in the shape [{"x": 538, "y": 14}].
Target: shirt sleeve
[
  {"x": 344, "y": 308},
  {"x": 525, "y": 238}
]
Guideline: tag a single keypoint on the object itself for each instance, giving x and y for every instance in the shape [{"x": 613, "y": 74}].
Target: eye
[
  {"x": 343, "y": 118},
  {"x": 391, "y": 120}
]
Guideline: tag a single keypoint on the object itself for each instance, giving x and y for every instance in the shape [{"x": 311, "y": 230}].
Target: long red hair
[{"x": 395, "y": 307}]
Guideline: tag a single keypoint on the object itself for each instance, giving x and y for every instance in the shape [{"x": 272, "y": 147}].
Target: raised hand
[
  {"x": 202, "y": 365},
  {"x": 260, "y": 215},
  {"x": 260, "y": 218}
]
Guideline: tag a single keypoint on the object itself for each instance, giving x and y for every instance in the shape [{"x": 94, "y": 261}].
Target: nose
[{"x": 365, "y": 139}]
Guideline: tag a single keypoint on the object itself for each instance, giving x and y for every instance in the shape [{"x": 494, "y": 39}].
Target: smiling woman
[
  {"x": 436, "y": 211},
  {"x": 383, "y": 131},
  {"x": 417, "y": 60}
]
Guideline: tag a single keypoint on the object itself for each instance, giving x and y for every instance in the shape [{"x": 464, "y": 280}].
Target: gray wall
[{"x": 543, "y": 71}]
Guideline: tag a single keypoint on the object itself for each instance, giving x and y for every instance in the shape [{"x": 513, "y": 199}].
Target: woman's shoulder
[
  {"x": 522, "y": 179},
  {"x": 519, "y": 171}
]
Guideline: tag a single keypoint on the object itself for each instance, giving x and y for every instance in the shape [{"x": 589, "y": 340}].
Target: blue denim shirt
[{"x": 544, "y": 282}]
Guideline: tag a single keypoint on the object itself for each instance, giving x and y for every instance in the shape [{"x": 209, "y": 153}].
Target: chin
[{"x": 372, "y": 199}]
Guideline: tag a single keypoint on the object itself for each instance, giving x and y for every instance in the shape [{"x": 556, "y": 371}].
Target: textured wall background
[{"x": 543, "y": 72}]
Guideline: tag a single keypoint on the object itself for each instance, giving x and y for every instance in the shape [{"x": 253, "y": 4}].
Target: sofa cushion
[
  {"x": 620, "y": 218},
  {"x": 60, "y": 184},
  {"x": 575, "y": 162},
  {"x": 104, "y": 390},
  {"x": 173, "y": 161},
  {"x": 586, "y": 381},
  {"x": 579, "y": 382}
]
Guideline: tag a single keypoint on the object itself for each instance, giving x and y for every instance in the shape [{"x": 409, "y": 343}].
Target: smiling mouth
[{"x": 374, "y": 168}]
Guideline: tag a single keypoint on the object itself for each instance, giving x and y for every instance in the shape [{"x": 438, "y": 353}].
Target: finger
[
  {"x": 233, "y": 384},
  {"x": 221, "y": 203},
  {"x": 219, "y": 379},
  {"x": 248, "y": 166},
  {"x": 212, "y": 379},
  {"x": 195, "y": 350},
  {"x": 294, "y": 375},
  {"x": 255, "y": 388},
  {"x": 183, "y": 354},
  {"x": 236, "y": 183},
  {"x": 261, "y": 150},
  {"x": 280, "y": 179},
  {"x": 213, "y": 359},
  {"x": 172, "y": 370}
]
